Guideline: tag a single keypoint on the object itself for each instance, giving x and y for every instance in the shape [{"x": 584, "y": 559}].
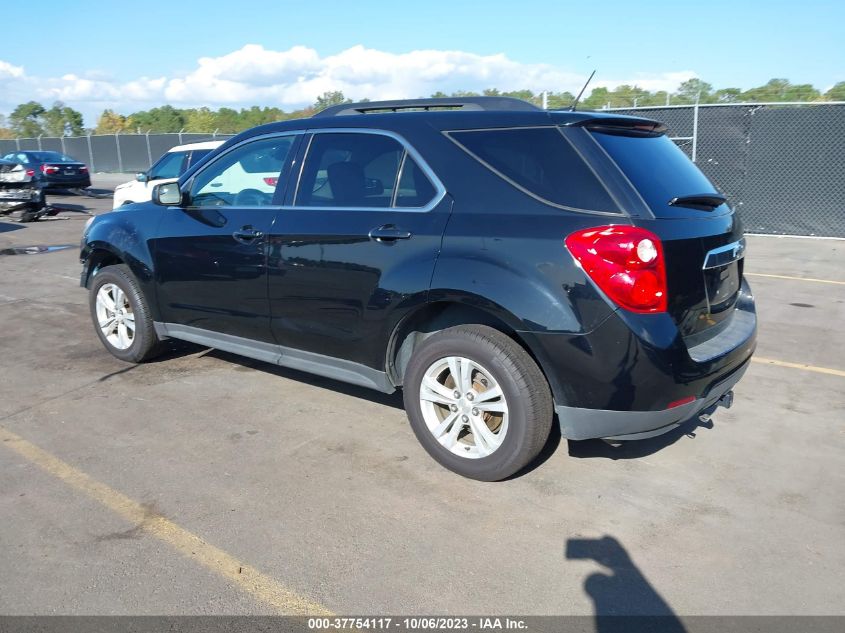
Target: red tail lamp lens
[{"x": 626, "y": 263}]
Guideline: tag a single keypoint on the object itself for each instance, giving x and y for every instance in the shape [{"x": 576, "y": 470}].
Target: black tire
[
  {"x": 146, "y": 344},
  {"x": 523, "y": 384}
]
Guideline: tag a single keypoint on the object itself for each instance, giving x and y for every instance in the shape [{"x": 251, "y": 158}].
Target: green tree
[
  {"x": 836, "y": 93},
  {"x": 782, "y": 90},
  {"x": 329, "y": 99},
  {"x": 61, "y": 120},
  {"x": 110, "y": 122},
  {"x": 25, "y": 120},
  {"x": 560, "y": 100},
  {"x": 693, "y": 90},
  {"x": 200, "y": 120},
  {"x": 163, "y": 119},
  {"x": 5, "y": 132}
]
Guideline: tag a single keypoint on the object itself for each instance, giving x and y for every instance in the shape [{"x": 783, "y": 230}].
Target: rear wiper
[{"x": 700, "y": 201}]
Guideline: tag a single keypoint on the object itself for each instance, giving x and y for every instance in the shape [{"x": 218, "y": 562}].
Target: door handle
[
  {"x": 389, "y": 233},
  {"x": 247, "y": 235}
]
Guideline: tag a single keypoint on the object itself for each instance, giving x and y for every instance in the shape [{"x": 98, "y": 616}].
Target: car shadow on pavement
[
  {"x": 623, "y": 599},
  {"x": 391, "y": 400},
  {"x": 635, "y": 449},
  {"x": 6, "y": 227}
]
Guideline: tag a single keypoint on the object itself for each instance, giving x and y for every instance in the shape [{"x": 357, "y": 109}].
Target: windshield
[{"x": 658, "y": 169}]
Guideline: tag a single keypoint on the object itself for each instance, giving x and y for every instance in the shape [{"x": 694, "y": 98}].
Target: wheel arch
[
  {"x": 95, "y": 259},
  {"x": 435, "y": 316}
]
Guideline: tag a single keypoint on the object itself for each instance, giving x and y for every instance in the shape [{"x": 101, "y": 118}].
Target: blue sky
[{"x": 134, "y": 55}]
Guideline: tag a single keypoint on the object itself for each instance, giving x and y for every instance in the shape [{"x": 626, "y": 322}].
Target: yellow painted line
[
  {"x": 783, "y": 363},
  {"x": 245, "y": 577},
  {"x": 818, "y": 281}
]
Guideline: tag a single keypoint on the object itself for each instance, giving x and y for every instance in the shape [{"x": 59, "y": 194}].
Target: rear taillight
[
  {"x": 30, "y": 172},
  {"x": 49, "y": 169},
  {"x": 83, "y": 170},
  {"x": 271, "y": 181},
  {"x": 626, "y": 263}
]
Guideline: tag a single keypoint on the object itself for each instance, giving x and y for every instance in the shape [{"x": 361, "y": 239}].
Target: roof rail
[{"x": 446, "y": 103}]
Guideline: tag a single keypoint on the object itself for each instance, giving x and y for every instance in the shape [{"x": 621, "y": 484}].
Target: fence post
[
  {"x": 90, "y": 153},
  {"x": 214, "y": 133},
  {"x": 39, "y": 142},
  {"x": 695, "y": 128},
  {"x": 149, "y": 151},
  {"x": 180, "y": 135},
  {"x": 18, "y": 143},
  {"x": 119, "y": 157},
  {"x": 545, "y": 100},
  {"x": 64, "y": 151}
]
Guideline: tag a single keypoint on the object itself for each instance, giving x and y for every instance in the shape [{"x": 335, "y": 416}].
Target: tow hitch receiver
[{"x": 725, "y": 401}]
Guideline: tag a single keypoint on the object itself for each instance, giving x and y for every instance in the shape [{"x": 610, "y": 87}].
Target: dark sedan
[{"x": 53, "y": 170}]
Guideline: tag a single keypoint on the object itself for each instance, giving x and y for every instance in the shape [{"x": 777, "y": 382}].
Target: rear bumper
[
  {"x": 583, "y": 424},
  {"x": 620, "y": 380},
  {"x": 71, "y": 183}
]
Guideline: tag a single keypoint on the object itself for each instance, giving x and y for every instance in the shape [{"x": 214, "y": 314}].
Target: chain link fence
[
  {"x": 782, "y": 166},
  {"x": 109, "y": 152}
]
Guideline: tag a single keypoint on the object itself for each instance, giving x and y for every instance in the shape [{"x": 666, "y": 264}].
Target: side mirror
[
  {"x": 167, "y": 194},
  {"x": 141, "y": 176}
]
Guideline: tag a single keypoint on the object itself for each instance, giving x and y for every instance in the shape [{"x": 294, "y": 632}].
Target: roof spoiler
[
  {"x": 446, "y": 103},
  {"x": 623, "y": 125}
]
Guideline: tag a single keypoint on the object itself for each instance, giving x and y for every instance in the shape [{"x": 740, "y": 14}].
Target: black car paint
[{"x": 486, "y": 247}]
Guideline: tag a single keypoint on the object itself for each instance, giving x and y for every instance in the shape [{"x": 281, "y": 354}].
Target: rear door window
[
  {"x": 350, "y": 169},
  {"x": 542, "y": 163},
  {"x": 658, "y": 169}
]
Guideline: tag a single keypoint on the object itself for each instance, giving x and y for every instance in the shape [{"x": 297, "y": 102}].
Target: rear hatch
[{"x": 701, "y": 236}]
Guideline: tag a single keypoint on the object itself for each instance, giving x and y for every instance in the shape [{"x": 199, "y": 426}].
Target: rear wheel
[
  {"x": 477, "y": 402},
  {"x": 121, "y": 315}
]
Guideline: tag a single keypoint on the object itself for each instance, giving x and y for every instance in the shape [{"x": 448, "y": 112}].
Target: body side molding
[{"x": 317, "y": 364}]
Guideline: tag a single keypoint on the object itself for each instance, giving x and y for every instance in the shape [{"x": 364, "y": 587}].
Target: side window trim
[
  {"x": 440, "y": 190},
  {"x": 281, "y": 185},
  {"x": 399, "y": 171}
]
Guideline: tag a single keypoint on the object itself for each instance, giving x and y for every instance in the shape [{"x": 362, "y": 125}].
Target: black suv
[{"x": 500, "y": 263}]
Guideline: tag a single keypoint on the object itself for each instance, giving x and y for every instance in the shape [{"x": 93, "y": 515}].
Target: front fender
[{"x": 118, "y": 236}]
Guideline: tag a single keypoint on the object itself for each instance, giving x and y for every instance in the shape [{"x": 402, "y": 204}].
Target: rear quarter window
[{"x": 542, "y": 163}]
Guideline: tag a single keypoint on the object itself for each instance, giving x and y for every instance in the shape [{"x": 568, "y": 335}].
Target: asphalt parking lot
[{"x": 204, "y": 483}]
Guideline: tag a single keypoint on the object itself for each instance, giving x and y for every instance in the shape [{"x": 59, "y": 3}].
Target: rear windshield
[
  {"x": 658, "y": 169},
  {"x": 540, "y": 162},
  {"x": 50, "y": 157}
]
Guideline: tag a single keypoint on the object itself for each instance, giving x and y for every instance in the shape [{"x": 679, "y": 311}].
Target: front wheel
[
  {"x": 477, "y": 402},
  {"x": 121, "y": 315}
]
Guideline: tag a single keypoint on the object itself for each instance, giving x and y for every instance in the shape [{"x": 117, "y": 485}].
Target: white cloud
[{"x": 295, "y": 77}]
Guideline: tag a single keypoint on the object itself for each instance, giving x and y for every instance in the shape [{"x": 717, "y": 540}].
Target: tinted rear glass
[
  {"x": 659, "y": 170},
  {"x": 51, "y": 157},
  {"x": 541, "y": 162}
]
